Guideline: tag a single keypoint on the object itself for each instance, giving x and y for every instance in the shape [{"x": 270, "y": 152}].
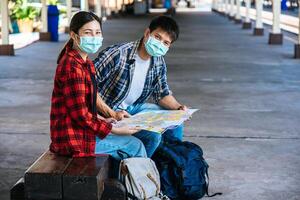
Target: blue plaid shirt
[{"x": 114, "y": 72}]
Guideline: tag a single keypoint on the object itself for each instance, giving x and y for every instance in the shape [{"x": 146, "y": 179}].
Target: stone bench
[{"x": 53, "y": 177}]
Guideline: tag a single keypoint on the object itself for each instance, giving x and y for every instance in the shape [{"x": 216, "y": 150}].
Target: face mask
[
  {"x": 154, "y": 47},
  {"x": 90, "y": 44}
]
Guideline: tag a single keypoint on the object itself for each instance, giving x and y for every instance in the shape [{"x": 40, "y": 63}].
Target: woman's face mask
[
  {"x": 90, "y": 44},
  {"x": 154, "y": 47},
  {"x": 89, "y": 37}
]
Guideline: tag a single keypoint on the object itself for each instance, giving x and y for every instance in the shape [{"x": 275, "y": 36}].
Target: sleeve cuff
[
  {"x": 104, "y": 129},
  {"x": 163, "y": 94}
]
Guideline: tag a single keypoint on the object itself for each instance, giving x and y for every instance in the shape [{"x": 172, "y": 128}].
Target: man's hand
[
  {"x": 119, "y": 115},
  {"x": 183, "y": 107},
  {"x": 170, "y": 103}
]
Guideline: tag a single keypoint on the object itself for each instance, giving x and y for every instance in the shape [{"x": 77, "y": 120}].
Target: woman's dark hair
[
  {"x": 167, "y": 24},
  {"x": 78, "y": 21}
]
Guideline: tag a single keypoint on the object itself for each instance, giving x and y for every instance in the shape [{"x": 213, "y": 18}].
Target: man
[{"x": 130, "y": 73}]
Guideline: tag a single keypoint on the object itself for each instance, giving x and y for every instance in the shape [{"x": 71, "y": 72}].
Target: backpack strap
[
  {"x": 207, "y": 184},
  {"x": 131, "y": 196}
]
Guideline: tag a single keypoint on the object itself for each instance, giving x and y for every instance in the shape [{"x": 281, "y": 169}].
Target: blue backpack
[{"x": 183, "y": 170}]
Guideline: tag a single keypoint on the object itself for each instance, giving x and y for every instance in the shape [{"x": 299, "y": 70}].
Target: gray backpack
[{"x": 141, "y": 179}]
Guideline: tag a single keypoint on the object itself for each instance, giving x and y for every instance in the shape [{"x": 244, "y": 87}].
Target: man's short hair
[{"x": 167, "y": 24}]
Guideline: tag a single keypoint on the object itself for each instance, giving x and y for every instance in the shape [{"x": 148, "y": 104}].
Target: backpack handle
[{"x": 156, "y": 184}]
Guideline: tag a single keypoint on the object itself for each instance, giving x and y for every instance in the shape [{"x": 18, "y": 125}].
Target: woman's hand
[
  {"x": 107, "y": 120},
  {"x": 119, "y": 115},
  {"x": 110, "y": 120},
  {"x": 125, "y": 130}
]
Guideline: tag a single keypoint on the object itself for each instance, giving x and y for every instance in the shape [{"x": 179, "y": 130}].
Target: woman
[{"x": 76, "y": 129}]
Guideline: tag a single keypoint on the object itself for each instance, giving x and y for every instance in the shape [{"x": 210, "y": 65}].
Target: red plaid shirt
[{"x": 73, "y": 125}]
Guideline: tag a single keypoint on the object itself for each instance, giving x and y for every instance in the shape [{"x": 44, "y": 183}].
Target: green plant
[
  {"x": 27, "y": 12},
  {"x": 21, "y": 10},
  {"x": 52, "y": 2}
]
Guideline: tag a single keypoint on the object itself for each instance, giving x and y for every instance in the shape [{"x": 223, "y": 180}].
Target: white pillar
[
  {"x": 299, "y": 24},
  {"x": 84, "y": 5},
  {"x": 44, "y": 16},
  {"x": 217, "y": 6},
  {"x": 98, "y": 7},
  {"x": 231, "y": 14},
  {"x": 226, "y": 6},
  {"x": 69, "y": 11},
  {"x": 116, "y": 8},
  {"x": 259, "y": 7},
  {"x": 220, "y": 5},
  {"x": 4, "y": 26},
  {"x": 247, "y": 18},
  {"x": 107, "y": 5},
  {"x": 238, "y": 10},
  {"x": 213, "y": 6},
  {"x": 276, "y": 16},
  {"x": 223, "y": 6},
  {"x": 297, "y": 45}
]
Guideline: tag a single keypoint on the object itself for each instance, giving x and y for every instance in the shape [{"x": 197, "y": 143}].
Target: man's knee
[
  {"x": 150, "y": 139},
  {"x": 176, "y": 132},
  {"x": 149, "y": 107},
  {"x": 156, "y": 137},
  {"x": 139, "y": 147}
]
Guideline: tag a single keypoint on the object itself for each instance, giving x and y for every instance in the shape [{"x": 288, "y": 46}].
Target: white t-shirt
[{"x": 138, "y": 81}]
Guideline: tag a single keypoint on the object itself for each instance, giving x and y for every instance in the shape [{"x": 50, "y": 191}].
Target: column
[
  {"x": 247, "y": 23},
  {"x": 5, "y": 47},
  {"x": 44, "y": 34},
  {"x": 297, "y": 46},
  {"x": 238, "y": 19},
  {"x": 226, "y": 7},
  {"x": 98, "y": 7},
  {"x": 116, "y": 7},
  {"x": 258, "y": 30},
  {"x": 275, "y": 36},
  {"x": 108, "y": 10},
  {"x": 123, "y": 6},
  {"x": 213, "y": 6},
  {"x": 84, "y": 5},
  {"x": 223, "y": 6},
  {"x": 69, "y": 10},
  {"x": 231, "y": 10},
  {"x": 69, "y": 15},
  {"x": 219, "y": 6}
]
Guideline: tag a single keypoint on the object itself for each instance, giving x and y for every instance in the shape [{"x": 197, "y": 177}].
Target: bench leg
[
  {"x": 113, "y": 190},
  {"x": 17, "y": 191}
]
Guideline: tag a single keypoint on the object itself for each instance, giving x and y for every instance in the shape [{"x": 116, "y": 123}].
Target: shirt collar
[
  {"x": 134, "y": 50},
  {"x": 74, "y": 53}
]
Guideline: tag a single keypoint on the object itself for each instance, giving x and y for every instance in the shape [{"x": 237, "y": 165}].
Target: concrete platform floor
[{"x": 248, "y": 93}]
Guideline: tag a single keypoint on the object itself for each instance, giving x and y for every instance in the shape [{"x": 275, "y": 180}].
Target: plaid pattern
[
  {"x": 114, "y": 72},
  {"x": 73, "y": 125}
]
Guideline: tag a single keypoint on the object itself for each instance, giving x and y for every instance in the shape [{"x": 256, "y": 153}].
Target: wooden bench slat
[
  {"x": 43, "y": 180},
  {"x": 49, "y": 163}
]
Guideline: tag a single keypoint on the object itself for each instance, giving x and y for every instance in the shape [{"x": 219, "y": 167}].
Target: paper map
[{"x": 157, "y": 121}]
